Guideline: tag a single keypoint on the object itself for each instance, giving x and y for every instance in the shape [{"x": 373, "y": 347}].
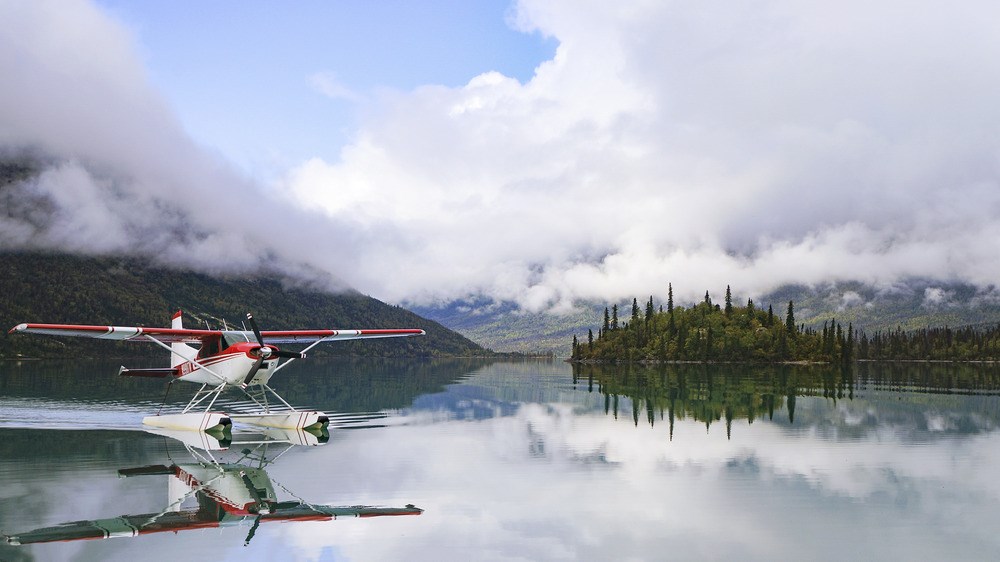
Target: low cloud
[
  {"x": 936, "y": 297},
  {"x": 754, "y": 145},
  {"x": 116, "y": 173},
  {"x": 850, "y": 299}
]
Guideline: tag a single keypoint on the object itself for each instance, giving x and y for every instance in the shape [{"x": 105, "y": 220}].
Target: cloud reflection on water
[
  {"x": 515, "y": 461},
  {"x": 551, "y": 483}
]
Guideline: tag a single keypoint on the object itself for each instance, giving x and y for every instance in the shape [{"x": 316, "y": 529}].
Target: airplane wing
[
  {"x": 189, "y": 519},
  {"x": 121, "y": 333},
  {"x": 310, "y": 336},
  {"x": 172, "y": 335}
]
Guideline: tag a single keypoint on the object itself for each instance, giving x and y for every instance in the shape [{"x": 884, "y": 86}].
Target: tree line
[{"x": 711, "y": 332}]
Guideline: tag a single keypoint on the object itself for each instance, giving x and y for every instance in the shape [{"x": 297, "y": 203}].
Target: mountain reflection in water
[{"x": 534, "y": 460}]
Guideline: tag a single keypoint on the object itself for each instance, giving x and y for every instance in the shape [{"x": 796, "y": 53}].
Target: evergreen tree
[
  {"x": 614, "y": 317},
  {"x": 670, "y": 298},
  {"x": 607, "y": 320},
  {"x": 790, "y": 318},
  {"x": 848, "y": 349},
  {"x": 590, "y": 340},
  {"x": 729, "y": 302}
]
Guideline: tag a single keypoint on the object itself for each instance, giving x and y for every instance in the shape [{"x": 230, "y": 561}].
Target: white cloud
[
  {"x": 330, "y": 86},
  {"x": 850, "y": 299},
  {"x": 490, "y": 485},
  {"x": 121, "y": 175},
  {"x": 747, "y": 144},
  {"x": 936, "y": 297},
  {"x": 751, "y": 144}
]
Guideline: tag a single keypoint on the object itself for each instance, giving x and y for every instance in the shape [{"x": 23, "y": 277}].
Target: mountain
[
  {"x": 61, "y": 288},
  {"x": 504, "y": 326},
  {"x": 911, "y": 304}
]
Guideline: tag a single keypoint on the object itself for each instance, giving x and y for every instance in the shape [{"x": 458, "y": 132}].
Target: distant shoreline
[{"x": 802, "y": 363}]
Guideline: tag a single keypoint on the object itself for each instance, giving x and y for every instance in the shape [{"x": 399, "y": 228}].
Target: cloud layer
[{"x": 754, "y": 144}]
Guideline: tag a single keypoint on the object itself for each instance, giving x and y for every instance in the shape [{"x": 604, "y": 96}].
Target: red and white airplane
[{"x": 245, "y": 360}]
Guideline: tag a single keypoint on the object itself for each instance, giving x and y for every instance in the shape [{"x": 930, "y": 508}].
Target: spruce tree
[
  {"x": 790, "y": 318},
  {"x": 729, "y": 302}
]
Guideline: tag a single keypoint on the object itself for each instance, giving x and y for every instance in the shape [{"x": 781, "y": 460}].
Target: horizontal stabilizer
[
  {"x": 154, "y": 373},
  {"x": 155, "y": 469}
]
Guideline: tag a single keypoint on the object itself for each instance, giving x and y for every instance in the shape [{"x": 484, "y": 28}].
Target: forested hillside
[
  {"x": 910, "y": 305},
  {"x": 714, "y": 332},
  {"x": 60, "y": 288}
]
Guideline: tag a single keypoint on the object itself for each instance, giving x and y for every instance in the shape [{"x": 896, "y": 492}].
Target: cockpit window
[
  {"x": 210, "y": 347},
  {"x": 230, "y": 338}
]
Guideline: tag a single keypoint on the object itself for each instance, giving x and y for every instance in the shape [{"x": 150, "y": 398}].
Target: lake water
[{"x": 514, "y": 461}]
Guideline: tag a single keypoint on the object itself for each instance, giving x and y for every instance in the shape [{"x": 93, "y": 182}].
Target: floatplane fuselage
[{"x": 223, "y": 359}]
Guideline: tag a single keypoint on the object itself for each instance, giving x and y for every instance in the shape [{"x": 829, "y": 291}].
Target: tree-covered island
[{"x": 709, "y": 332}]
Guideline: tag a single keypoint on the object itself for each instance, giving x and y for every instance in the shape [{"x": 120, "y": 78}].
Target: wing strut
[{"x": 302, "y": 353}]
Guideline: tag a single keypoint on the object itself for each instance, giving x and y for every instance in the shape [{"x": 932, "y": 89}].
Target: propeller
[
  {"x": 265, "y": 351},
  {"x": 260, "y": 504}
]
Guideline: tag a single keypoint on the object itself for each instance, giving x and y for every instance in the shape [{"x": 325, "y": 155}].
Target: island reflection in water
[
  {"x": 714, "y": 393},
  {"x": 528, "y": 460}
]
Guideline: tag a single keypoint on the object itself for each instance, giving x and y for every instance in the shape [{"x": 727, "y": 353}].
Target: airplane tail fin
[{"x": 181, "y": 351}]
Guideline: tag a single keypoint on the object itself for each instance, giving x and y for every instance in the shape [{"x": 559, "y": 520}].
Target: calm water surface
[{"x": 530, "y": 461}]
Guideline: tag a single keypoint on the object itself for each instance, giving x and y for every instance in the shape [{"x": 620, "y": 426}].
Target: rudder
[{"x": 181, "y": 351}]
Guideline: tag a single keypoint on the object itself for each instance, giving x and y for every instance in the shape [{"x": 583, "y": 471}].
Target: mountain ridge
[
  {"x": 65, "y": 288},
  {"x": 908, "y": 305}
]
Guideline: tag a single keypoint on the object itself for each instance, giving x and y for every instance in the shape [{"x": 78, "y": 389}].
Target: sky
[{"x": 540, "y": 152}]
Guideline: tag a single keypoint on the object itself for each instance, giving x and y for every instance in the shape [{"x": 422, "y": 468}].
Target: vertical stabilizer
[{"x": 181, "y": 351}]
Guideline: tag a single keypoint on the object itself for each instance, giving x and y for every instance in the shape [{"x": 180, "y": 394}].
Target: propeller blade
[
  {"x": 256, "y": 330},
  {"x": 253, "y": 370},
  {"x": 251, "y": 489},
  {"x": 253, "y": 530},
  {"x": 268, "y": 351}
]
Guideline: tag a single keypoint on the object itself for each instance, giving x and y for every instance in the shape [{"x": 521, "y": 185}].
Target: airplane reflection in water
[{"x": 225, "y": 494}]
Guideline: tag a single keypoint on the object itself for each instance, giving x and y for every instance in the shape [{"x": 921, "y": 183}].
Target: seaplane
[
  {"x": 220, "y": 360},
  {"x": 209, "y": 491}
]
